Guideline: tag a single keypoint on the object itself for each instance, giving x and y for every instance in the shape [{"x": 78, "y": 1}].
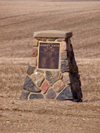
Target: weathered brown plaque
[{"x": 49, "y": 55}]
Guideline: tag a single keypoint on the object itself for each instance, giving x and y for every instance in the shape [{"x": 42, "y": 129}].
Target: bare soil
[{"x": 18, "y": 21}]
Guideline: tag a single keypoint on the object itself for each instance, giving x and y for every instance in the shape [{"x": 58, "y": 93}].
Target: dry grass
[{"x": 18, "y": 21}]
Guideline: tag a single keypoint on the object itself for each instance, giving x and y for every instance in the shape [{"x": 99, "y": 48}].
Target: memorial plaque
[{"x": 49, "y": 53}]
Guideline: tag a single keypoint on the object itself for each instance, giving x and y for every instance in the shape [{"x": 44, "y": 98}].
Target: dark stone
[
  {"x": 30, "y": 86},
  {"x": 51, "y": 94},
  {"x": 52, "y": 76},
  {"x": 65, "y": 94},
  {"x": 24, "y": 95},
  {"x": 30, "y": 70},
  {"x": 65, "y": 66},
  {"x": 36, "y": 96}
]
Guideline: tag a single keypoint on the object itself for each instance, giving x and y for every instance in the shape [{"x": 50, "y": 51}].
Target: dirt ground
[{"x": 18, "y": 21}]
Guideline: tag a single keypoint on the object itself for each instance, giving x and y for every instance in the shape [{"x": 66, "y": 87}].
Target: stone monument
[{"x": 52, "y": 72}]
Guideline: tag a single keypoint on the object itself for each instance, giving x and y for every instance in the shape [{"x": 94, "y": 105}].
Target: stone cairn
[{"x": 52, "y": 72}]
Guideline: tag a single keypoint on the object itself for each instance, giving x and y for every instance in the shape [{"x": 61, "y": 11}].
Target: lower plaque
[{"x": 49, "y": 55}]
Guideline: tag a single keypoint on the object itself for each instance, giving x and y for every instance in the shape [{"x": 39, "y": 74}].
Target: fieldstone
[
  {"x": 67, "y": 78},
  {"x": 39, "y": 71},
  {"x": 70, "y": 65},
  {"x": 36, "y": 96},
  {"x": 60, "y": 39},
  {"x": 30, "y": 70},
  {"x": 52, "y": 76},
  {"x": 30, "y": 86},
  {"x": 65, "y": 66},
  {"x": 58, "y": 86},
  {"x": 65, "y": 94},
  {"x": 41, "y": 39},
  {"x": 24, "y": 95},
  {"x": 61, "y": 76},
  {"x": 64, "y": 46},
  {"x": 35, "y": 43},
  {"x": 38, "y": 78},
  {"x": 51, "y": 39},
  {"x": 33, "y": 62},
  {"x": 45, "y": 86},
  {"x": 34, "y": 52},
  {"x": 64, "y": 55},
  {"x": 51, "y": 94}
]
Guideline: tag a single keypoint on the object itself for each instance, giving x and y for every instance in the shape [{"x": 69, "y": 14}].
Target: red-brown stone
[
  {"x": 44, "y": 86},
  {"x": 61, "y": 76},
  {"x": 34, "y": 52},
  {"x": 35, "y": 43},
  {"x": 42, "y": 39},
  {"x": 59, "y": 85},
  {"x": 64, "y": 46}
]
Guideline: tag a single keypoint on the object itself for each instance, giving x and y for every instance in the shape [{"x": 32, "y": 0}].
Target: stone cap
[{"x": 52, "y": 34}]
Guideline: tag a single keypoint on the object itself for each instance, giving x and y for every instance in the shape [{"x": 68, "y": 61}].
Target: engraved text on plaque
[{"x": 49, "y": 55}]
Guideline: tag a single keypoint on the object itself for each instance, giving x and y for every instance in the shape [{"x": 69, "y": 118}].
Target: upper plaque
[{"x": 49, "y": 55}]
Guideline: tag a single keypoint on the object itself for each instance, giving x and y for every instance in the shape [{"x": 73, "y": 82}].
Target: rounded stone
[
  {"x": 64, "y": 46},
  {"x": 36, "y": 96},
  {"x": 65, "y": 66},
  {"x": 38, "y": 78},
  {"x": 52, "y": 76},
  {"x": 67, "y": 78},
  {"x": 30, "y": 86},
  {"x": 34, "y": 52},
  {"x": 58, "y": 86},
  {"x": 30, "y": 70},
  {"x": 65, "y": 94},
  {"x": 51, "y": 94},
  {"x": 24, "y": 95},
  {"x": 64, "y": 55},
  {"x": 35, "y": 43},
  {"x": 45, "y": 86},
  {"x": 33, "y": 61}
]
